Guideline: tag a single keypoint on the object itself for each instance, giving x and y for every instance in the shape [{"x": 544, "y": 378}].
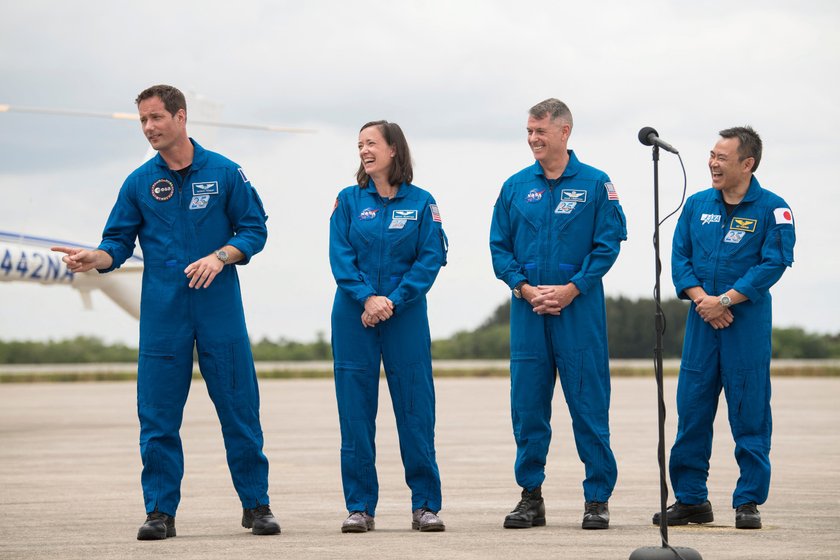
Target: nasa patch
[
  {"x": 162, "y": 190},
  {"x": 534, "y": 195},
  {"x": 368, "y": 213}
]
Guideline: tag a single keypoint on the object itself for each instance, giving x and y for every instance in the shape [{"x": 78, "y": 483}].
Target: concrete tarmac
[{"x": 70, "y": 470}]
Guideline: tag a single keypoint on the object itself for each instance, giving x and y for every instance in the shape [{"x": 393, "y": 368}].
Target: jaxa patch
[
  {"x": 709, "y": 219},
  {"x": 534, "y": 196},
  {"x": 162, "y": 190},
  {"x": 734, "y": 236},
  {"x": 242, "y": 174},
  {"x": 199, "y": 202},
  {"x": 612, "y": 194},
  {"x": 743, "y": 224},
  {"x": 565, "y": 207},
  {"x": 211, "y": 187},
  {"x": 404, "y": 215},
  {"x": 572, "y": 195},
  {"x": 397, "y": 223},
  {"x": 368, "y": 213}
]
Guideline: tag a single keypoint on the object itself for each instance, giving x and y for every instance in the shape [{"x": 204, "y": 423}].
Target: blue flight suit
[
  {"x": 392, "y": 248},
  {"x": 556, "y": 232},
  {"x": 747, "y": 251},
  {"x": 179, "y": 221}
]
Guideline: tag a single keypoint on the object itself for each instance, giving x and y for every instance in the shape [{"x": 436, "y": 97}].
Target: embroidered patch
[
  {"x": 534, "y": 195},
  {"x": 404, "y": 215},
  {"x": 611, "y": 192},
  {"x": 242, "y": 173},
  {"x": 733, "y": 236},
  {"x": 397, "y": 223},
  {"x": 565, "y": 207},
  {"x": 743, "y": 224},
  {"x": 435, "y": 213},
  {"x": 162, "y": 190},
  {"x": 572, "y": 195},
  {"x": 199, "y": 202},
  {"x": 709, "y": 219},
  {"x": 334, "y": 206},
  {"x": 210, "y": 187},
  {"x": 368, "y": 213},
  {"x": 783, "y": 215}
]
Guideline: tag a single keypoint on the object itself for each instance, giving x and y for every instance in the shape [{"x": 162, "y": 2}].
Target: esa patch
[
  {"x": 162, "y": 190},
  {"x": 572, "y": 195},
  {"x": 709, "y": 219},
  {"x": 397, "y": 223},
  {"x": 534, "y": 195},
  {"x": 612, "y": 194},
  {"x": 783, "y": 215},
  {"x": 242, "y": 174},
  {"x": 199, "y": 202},
  {"x": 435, "y": 213},
  {"x": 368, "y": 213},
  {"x": 404, "y": 215},
  {"x": 210, "y": 187},
  {"x": 565, "y": 207},
  {"x": 734, "y": 236},
  {"x": 743, "y": 224}
]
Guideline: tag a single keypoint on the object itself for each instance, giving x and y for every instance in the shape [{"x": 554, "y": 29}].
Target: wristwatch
[
  {"x": 222, "y": 255},
  {"x": 517, "y": 290},
  {"x": 725, "y": 300}
]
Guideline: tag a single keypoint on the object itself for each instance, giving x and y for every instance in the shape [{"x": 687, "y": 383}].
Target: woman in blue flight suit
[{"x": 386, "y": 247}]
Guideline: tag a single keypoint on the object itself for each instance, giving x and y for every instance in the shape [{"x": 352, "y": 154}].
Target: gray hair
[{"x": 554, "y": 108}]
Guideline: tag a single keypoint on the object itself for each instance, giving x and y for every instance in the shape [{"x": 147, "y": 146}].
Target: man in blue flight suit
[
  {"x": 556, "y": 230},
  {"x": 194, "y": 212},
  {"x": 387, "y": 246},
  {"x": 732, "y": 243}
]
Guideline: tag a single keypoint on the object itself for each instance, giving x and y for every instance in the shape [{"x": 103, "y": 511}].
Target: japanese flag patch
[{"x": 783, "y": 216}]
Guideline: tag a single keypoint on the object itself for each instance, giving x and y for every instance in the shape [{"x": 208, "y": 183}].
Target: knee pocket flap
[
  {"x": 228, "y": 369},
  {"x": 747, "y": 397},
  {"x": 585, "y": 382},
  {"x": 162, "y": 378}
]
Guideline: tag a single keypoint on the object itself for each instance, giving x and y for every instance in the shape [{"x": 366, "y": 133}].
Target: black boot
[
  {"x": 747, "y": 516},
  {"x": 596, "y": 515},
  {"x": 529, "y": 512},
  {"x": 679, "y": 513},
  {"x": 260, "y": 520},
  {"x": 158, "y": 526}
]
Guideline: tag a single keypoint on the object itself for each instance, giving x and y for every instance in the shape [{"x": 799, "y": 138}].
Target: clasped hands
[
  {"x": 377, "y": 309},
  {"x": 549, "y": 299},
  {"x": 712, "y": 312}
]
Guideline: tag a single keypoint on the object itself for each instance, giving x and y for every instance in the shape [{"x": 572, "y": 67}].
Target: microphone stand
[{"x": 666, "y": 551}]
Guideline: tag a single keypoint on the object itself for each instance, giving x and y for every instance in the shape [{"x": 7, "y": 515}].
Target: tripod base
[{"x": 662, "y": 553}]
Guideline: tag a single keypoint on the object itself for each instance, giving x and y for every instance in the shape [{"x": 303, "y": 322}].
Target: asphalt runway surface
[{"x": 70, "y": 470}]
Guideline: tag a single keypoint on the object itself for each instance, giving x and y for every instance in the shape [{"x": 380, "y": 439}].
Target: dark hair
[
  {"x": 401, "y": 171},
  {"x": 749, "y": 143},
  {"x": 555, "y": 108},
  {"x": 171, "y": 96}
]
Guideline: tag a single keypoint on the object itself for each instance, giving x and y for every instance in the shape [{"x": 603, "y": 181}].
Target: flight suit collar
[
  {"x": 753, "y": 192},
  {"x": 199, "y": 157},
  {"x": 402, "y": 192},
  {"x": 572, "y": 167}
]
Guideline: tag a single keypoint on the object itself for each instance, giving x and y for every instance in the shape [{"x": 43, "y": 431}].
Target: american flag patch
[
  {"x": 611, "y": 193},
  {"x": 435, "y": 213}
]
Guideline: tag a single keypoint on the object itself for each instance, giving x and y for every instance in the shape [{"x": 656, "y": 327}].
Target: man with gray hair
[{"x": 556, "y": 230}]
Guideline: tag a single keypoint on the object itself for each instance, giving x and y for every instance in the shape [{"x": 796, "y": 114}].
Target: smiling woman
[{"x": 386, "y": 248}]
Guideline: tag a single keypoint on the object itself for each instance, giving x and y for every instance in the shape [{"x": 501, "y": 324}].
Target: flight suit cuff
[
  {"x": 751, "y": 293},
  {"x": 243, "y": 248}
]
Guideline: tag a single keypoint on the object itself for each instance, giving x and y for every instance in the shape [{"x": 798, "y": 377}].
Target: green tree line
[{"x": 630, "y": 323}]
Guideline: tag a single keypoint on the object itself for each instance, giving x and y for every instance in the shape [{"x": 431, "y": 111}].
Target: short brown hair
[{"x": 171, "y": 96}]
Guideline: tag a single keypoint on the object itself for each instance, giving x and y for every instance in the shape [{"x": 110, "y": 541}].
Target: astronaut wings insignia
[{"x": 743, "y": 224}]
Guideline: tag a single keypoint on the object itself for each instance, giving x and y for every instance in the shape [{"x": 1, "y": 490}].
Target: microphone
[{"x": 649, "y": 137}]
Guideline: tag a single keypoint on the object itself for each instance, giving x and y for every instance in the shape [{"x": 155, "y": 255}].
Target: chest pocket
[
  {"x": 164, "y": 211},
  {"x": 403, "y": 240},
  {"x": 530, "y": 214},
  {"x": 359, "y": 239}
]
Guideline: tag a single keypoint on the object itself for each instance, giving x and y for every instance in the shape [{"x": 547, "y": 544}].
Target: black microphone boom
[{"x": 649, "y": 137}]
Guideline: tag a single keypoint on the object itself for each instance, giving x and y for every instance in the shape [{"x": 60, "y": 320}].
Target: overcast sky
[{"x": 459, "y": 77}]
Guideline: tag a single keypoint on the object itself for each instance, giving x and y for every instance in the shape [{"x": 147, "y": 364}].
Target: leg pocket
[{"x": 163, "y": 378}]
